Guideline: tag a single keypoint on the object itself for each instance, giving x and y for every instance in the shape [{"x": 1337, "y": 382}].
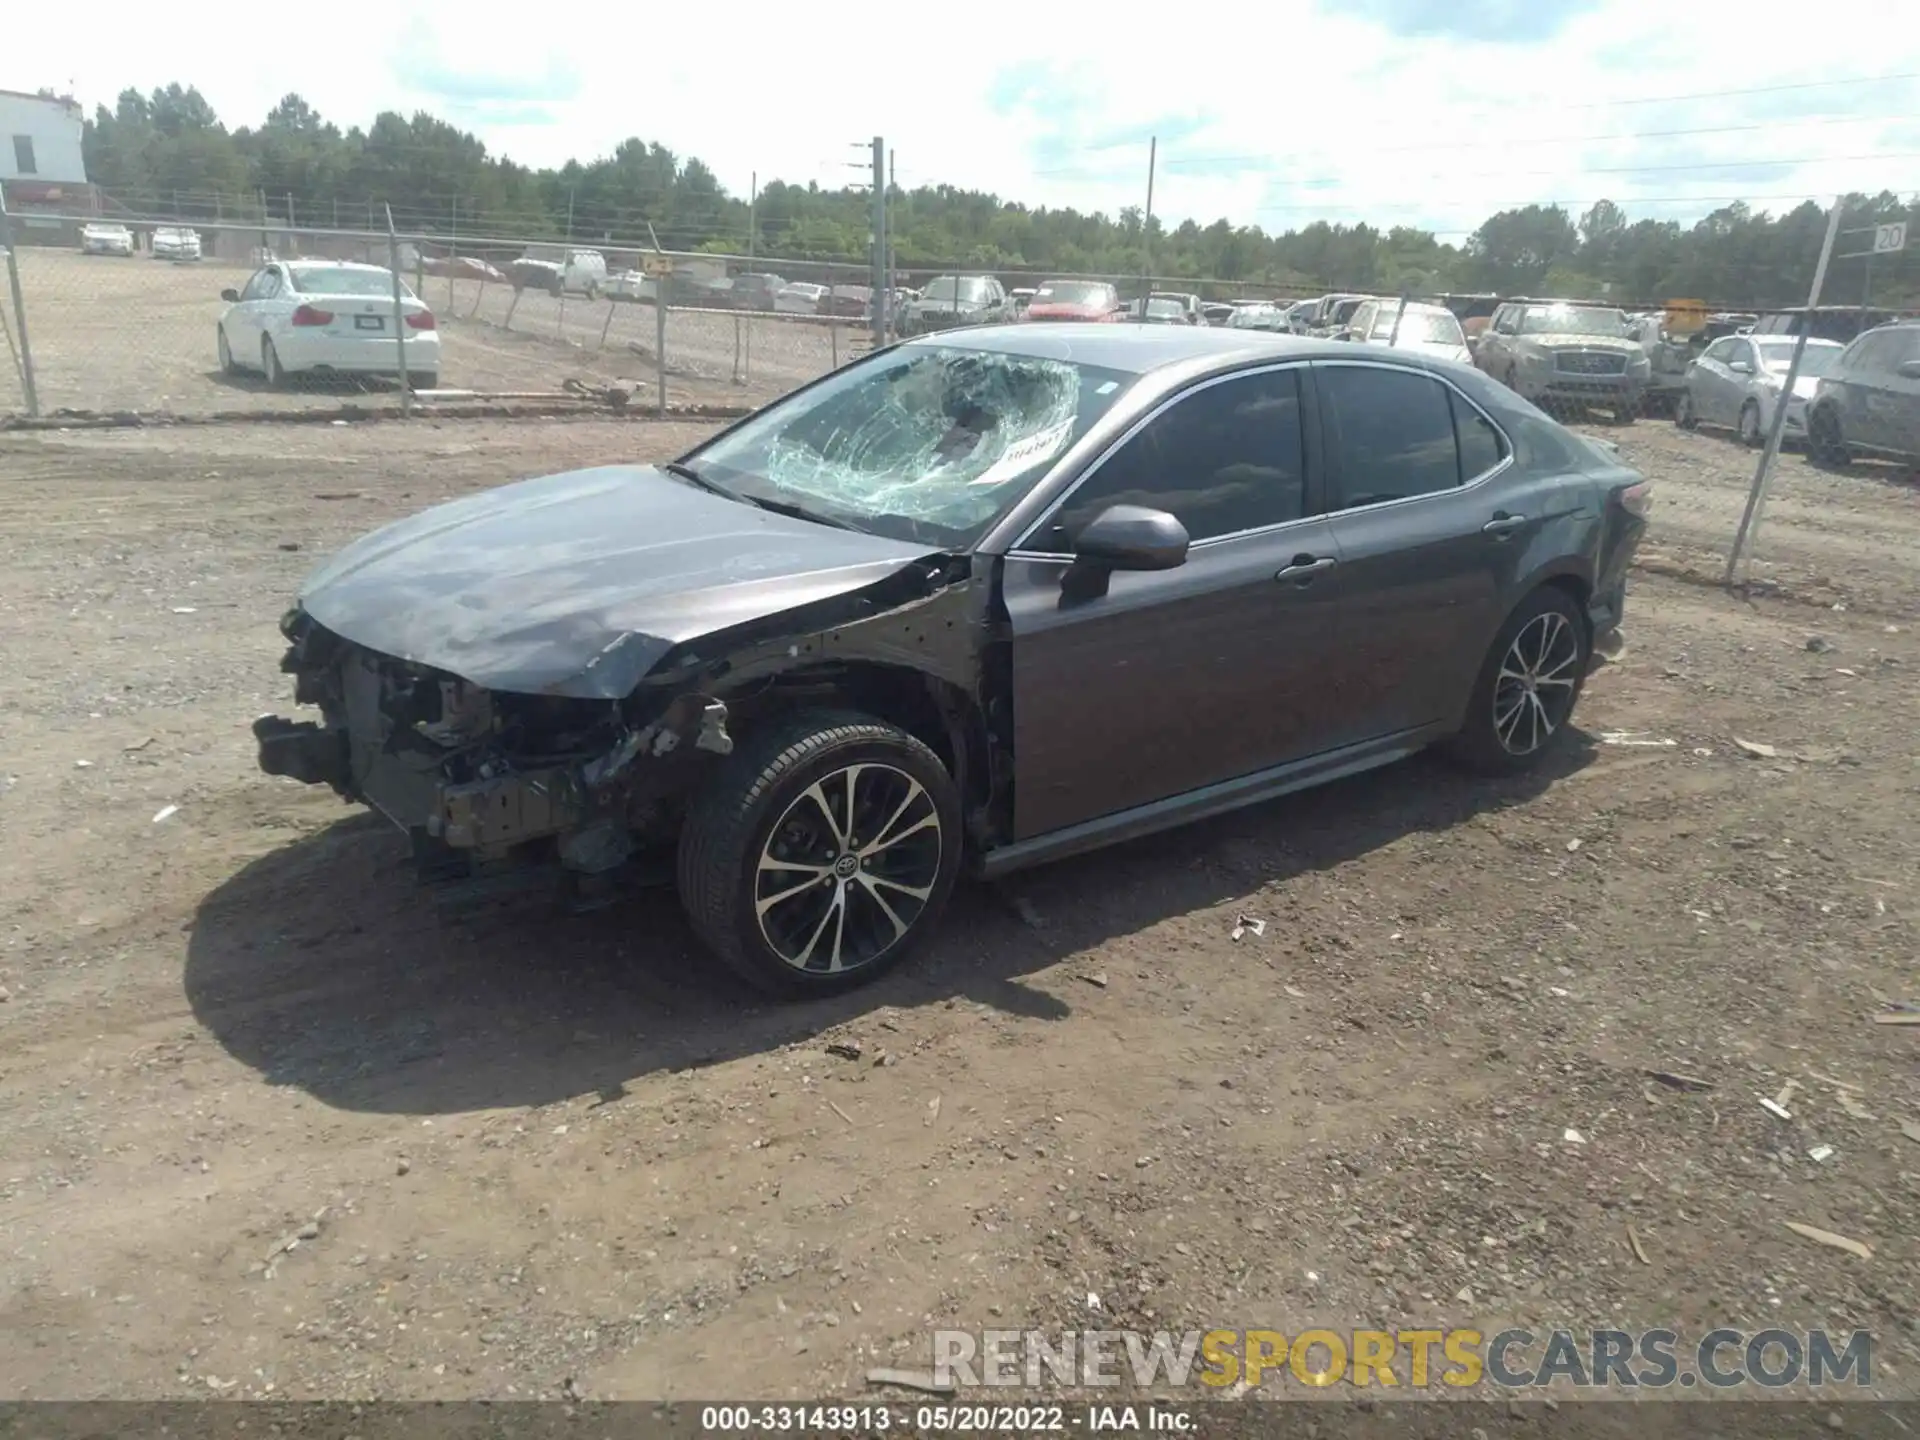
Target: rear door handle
[
  {"x": 1305, "y": 567},
  {"x": 1503, "y": 525}
]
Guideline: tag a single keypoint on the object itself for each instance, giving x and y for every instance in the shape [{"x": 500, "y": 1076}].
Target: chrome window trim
[{"x": 1140, "y": 422}]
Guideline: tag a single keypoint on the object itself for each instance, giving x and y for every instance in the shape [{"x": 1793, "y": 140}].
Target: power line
[{"x": 1256, "y": 161}]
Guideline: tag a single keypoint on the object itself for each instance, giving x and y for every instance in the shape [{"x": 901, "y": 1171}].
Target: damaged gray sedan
[{"x": 982, "y": 600}]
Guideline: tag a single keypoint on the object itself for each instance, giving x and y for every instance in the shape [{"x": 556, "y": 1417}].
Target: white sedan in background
[
  {"x": 175, "y": 242},
  {"x": 97, "y": 238},
  {"x": 327, "y": 317},
  {"x": 1737, "y": 381},
  {"x": 1422, "y": 328},
  {"x": 799, "y": 298}
]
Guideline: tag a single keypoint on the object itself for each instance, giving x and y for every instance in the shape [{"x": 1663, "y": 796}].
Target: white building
[{"x": 40, "y": 142}]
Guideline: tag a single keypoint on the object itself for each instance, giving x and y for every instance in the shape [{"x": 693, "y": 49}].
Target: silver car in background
[
  {"x": 1423, "y": 328},
  {"x": 102, "y": 238},
  {"x": 1738, "y": 380}
]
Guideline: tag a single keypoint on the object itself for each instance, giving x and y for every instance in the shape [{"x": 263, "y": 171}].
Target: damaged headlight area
[{"x": 477, "y": 777}]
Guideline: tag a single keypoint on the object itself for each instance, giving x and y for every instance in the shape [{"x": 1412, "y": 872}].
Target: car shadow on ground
[
  {"x": 252, "y": 382},
  {"x": 323, "y": 965}
]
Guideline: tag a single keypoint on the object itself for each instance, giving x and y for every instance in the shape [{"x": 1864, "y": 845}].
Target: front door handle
[
  {"x": 1305, "y": 567},
  {"x": 1503, "y": 525}
]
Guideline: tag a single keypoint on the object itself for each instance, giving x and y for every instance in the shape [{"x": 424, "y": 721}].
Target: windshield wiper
[
  {"x": 692, "y": 476},
  {"x": 778, "y": 507},
  {"x": 800, "y": 512}
]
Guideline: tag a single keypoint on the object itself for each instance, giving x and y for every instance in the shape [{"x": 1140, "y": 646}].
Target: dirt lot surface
[
  {"x": 138, "y": 334},
  {"x": 270, "y": 1128}
]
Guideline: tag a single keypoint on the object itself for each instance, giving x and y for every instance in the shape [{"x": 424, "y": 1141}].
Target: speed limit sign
[{"x": 1889, "y": 238}]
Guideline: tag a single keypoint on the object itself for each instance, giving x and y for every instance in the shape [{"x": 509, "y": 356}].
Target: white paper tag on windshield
[{"x": 1023, "y": 455}]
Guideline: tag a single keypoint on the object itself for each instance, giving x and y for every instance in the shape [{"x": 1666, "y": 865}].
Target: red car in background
[{"x": 1074, "y": 300}]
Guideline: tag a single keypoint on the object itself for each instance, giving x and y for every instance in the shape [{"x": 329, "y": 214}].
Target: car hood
[
  {"x": 1568, "y": 340},
  {"x": 577, "y": 584}
]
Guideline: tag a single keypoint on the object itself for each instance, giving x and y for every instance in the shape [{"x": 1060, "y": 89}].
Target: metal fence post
[
  {"x": 399, "y": 316},
  {"x": 1749, "y": 527},
  {"x": 660, "y": 337},
  {"x": 25, "y": 357},
  {"x": 833, "y": 317}
]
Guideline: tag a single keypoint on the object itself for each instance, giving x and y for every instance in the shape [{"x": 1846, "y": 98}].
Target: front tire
[
  {"x": 821, "y": 853},
  {"x": 1749, "y": 426},
  {"x": 423, "y": 380},
  {"x": 1826, "y": 446},
  {"x": 1528, "y": 685},
  {"x": 228, "y": 366},
  {"x": 1683, "y": 415}
]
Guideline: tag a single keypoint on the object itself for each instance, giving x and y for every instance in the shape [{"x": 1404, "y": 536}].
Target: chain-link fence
[{"x": 209, "y": 319}]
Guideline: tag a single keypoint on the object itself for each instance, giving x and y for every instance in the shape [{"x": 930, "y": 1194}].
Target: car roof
[
  {"x": 1135, "y": 349},
  {"x": 320, "y": 262}
]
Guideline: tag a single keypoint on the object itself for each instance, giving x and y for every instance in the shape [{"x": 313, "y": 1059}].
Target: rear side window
[
  {"x": 1390, "y": 434},
  {"x": 1481, "y": 445}
]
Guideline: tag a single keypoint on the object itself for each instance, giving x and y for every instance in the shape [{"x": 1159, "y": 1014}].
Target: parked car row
[
  {"x": 1857, "y": 399},
  {"x": 166, "y": 242}
]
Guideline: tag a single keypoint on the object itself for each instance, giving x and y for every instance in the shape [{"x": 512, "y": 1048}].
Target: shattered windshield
[{"x": 927, "y": 443}]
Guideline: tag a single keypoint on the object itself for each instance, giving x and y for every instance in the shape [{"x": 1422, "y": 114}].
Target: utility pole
[
  {"x": 1146, "y": 228},
  {"x": 882, "y": 276}
]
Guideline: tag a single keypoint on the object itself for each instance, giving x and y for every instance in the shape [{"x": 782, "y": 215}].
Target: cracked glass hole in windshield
[{"x": 928, "y": 443}]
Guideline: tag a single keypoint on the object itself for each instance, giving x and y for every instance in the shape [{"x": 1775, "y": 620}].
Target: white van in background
[{"x": 574, "y": 272}]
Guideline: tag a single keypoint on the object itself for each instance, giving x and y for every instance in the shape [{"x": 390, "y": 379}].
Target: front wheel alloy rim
[
  {"x": 1534, "y": 694},
  {"x": 848, "y": 868}
]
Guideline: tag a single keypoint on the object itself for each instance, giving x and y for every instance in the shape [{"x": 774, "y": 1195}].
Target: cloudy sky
[{"x": 1415, "y": 112}]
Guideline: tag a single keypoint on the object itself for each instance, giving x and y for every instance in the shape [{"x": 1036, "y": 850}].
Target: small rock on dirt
[{"x": 845, "y": 1049}]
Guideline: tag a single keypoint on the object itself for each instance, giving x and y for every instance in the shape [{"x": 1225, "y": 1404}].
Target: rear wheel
[
  {"x": 270, "y": 363},
  {"x": 1528, "y": 685},
  {"x": 821, "y": 853}
]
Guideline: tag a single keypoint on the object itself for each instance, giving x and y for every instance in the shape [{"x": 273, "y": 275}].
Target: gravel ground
[
  {"x": 270, "y": 1129},
  {"x": 137, "y": 334}
]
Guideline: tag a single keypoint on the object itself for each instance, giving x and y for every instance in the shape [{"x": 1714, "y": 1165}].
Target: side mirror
[
  {"x": 1740, "y": 367},
  {"x": 1908, "y": 370},
  {"x": 1132, "y": 537},
  {"x": 230, "y": 295}
]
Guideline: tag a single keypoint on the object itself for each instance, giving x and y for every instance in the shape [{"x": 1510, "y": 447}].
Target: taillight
[
  {"x": 421, "y": 320},
  {"x": 309, "y": 315},
  {"x": 1637, "y": 499}
]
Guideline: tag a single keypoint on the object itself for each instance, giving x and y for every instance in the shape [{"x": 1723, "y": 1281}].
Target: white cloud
[{"x": 1274, "y": 115}]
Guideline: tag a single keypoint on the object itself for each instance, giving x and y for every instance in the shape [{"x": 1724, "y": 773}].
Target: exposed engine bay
[{"x": 476, "y": 777}]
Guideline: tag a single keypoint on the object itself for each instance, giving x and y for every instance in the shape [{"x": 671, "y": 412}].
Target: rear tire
[
  {"x": 782, "y": 888},
  {"x": 1512, "y": 724},
  {"x": 270, "y": 364}
]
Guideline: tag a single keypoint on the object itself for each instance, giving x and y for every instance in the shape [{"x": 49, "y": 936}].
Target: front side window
[
  {"x": 924, "y": 443},
  {"x": 1390, "y": 433},
  {"x": 1720, "y": 351},
  {"x": 1223, "y": 459}
]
